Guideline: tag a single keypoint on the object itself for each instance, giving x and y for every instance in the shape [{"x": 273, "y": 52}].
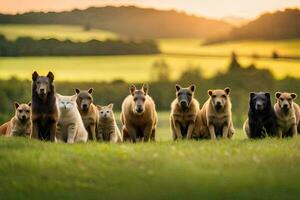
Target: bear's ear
[
  {"x": 99, "y": 107},
  {"x": 77, "y": 91},
  {"x": 29, "y": 104},
  {"x": 192, "y": 87},
  {"x": 252, "y": 94},
  {"x": 294, "y": 95},
  {"x": 90, "y": 91},
  {"x": 111, "y": 106},
  {"x": 209, "y": 92},
  {"x": 227, "y": 90},
  {"x": 268, "y": 95},
  {"x": 17, "y": 105},
  {"x": 178, "y": 87},
  {"x": 277, "y": 95},
  {"x": 50, "y": 75},
  {"x": 35, "y": 75},
  {"x": 132, "y": 89},
  {"x": 145, "y": 88}
]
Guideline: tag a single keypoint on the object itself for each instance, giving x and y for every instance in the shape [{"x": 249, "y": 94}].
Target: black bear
[{"x": 261, "y": 116}]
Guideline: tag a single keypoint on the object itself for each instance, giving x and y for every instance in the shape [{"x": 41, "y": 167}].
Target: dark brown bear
[{"x": 44, "y": 109}]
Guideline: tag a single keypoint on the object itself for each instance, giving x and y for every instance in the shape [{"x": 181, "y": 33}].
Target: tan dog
[
  {"x": 288, "y": 114},
  {"x": 88, "y": 111},
  {"x": 139, "y": 117},
  {"x": 184, "y": 111},
  {"x": 107, "y": 127},
  {"x": 20, "y": 124},
  {"x": 215, "y": 115}
]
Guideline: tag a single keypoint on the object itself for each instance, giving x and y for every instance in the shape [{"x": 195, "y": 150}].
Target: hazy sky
[{"x": 210, "y": 8}]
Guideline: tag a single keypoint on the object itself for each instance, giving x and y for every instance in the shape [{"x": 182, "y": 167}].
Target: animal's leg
[
  {"x": 71, "y": 133},
  {"x": 212, "y": 132},
  {"x": 190, "y": 130}
]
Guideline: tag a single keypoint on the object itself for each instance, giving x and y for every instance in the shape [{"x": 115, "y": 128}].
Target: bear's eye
[
  {"x": 189, "y": 94},
  {"x": 214, "y": 96},
  {"x": 224, "y": 96},
  {"x": 179, "y": 93},
  {"x": 134, "y": 99},
  {"x": 281, "y": 99},
  {"x": 89, "y": 98},
  {"x": 27, "y": 111},
  {"x": 107, "y": 111},
  {"x": 101, "y": 112}
]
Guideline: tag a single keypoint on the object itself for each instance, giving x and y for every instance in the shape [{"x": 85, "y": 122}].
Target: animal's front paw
[{"x": 70, "y": 141}]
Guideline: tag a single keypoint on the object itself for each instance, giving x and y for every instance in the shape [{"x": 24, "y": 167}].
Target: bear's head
[
  {"x": 260, "y": 101},
  {"x": 42, "y": 85},
  {"x": 285, "y": 100},
  {"x": 185, "y": 96},
  {"x": 219, "y": 98},
  {"x": 84, "y": 99}
]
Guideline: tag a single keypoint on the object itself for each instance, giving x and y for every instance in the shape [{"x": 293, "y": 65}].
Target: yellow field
[
  {"x": 265, "y": 48},
  {"x": 138, "y": 68},
  {"x": 128, "y": 68},
  {"x": 61, "y": 32}
]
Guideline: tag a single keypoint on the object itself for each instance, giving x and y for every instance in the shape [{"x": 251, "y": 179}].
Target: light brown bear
[
  {"x": 214, "y": 119},
  {"x": 107, "y": 127},
  {"x": 184, "y": 111},
  {"x": 139, "y": 117},
  {"x": 20, "y": 124},
  {"x": 88, "y": 111},
  {"x": 288, "y": 114}
]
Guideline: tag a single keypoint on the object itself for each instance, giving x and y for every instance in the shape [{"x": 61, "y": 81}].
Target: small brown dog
[
  {"x": 20, "y": 124},
  {"x": 139, "y": 117},
  {"x": 215, "y": 115},
  {"x": 88, "y": 111},
  {"x": 288, "y": 114},
  {"x": 184, "y": 111}
]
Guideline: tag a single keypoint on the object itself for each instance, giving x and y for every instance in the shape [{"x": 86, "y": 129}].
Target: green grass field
[
  {"x": 61, "y": 32},
  {"x": 231, "y": 169}
]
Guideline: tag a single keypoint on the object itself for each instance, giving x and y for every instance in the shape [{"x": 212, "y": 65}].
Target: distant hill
[
  {"x": 128, "y": 21},
  {"x": 270, "y": 26}
]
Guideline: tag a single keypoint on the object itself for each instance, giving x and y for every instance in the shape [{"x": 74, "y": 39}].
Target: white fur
[{"x": 70, "y": 126}]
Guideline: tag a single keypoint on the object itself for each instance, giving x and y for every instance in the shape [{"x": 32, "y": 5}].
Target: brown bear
[
  {"x": 44, "y": 114},
  {"x": 20, "y": 124},
  {"x": 184, "y": 111},
  {"x": 214, "y": 119},
  {"x": 288, "y": 114},
  {"x": 139, "y": 117},
  {"x": 88, "y": 111}
]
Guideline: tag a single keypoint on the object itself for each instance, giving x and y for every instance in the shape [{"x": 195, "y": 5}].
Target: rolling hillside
[
  {"x": 129, "y": 21},
  {"x": 279, "y": 25}
]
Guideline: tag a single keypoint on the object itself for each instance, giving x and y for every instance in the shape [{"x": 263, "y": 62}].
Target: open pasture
[
  {"x": 130, "y": 68},
  {"x": 225, "y": 169},
  {"x": 60, "y": 32}
]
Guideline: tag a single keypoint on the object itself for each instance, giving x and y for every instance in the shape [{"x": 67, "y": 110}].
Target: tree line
[
  {"x": 242, "y": 80},
  {"x": 26, "y": 46}
]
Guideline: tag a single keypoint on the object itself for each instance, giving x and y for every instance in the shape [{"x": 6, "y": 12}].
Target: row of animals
[{"x": 70, "y": 119}]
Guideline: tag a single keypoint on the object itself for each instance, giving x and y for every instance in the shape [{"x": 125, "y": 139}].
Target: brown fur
[
  {"x": 44, "y": 110},
  {"x": 138, "y": 126},
  {"x": 212, "y": 122},
  {"x": 90, "y": 113},
  {"x": 20, "y": 124},
  {"x": 287, "y": 117},
  {"x": 182, "y": 119}
]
